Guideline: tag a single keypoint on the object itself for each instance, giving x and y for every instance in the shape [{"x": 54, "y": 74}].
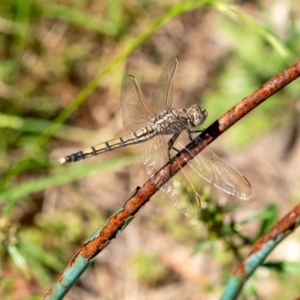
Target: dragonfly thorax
[
  {"x": 173, "y": 120},
  {"x": 169, "y": 122}
]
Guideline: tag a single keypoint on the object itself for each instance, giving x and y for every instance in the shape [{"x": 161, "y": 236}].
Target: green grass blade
[{"x": 13, "y": 194}]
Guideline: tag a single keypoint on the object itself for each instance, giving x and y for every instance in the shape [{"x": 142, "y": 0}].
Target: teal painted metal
[
  {"x": 80, "y": 263},
  {"x": 69, "y": 276},
  {"x": 265, "y": 246}
]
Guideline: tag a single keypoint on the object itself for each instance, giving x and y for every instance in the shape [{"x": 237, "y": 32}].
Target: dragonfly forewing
[
  {"x": 162, "y": 96},
  {"x": 137, "y": 111}
]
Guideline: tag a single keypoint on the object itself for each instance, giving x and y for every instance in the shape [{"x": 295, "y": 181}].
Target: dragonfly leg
[
  {"x": 172, "y": 142},
  {"x": 190, "y": 132}
]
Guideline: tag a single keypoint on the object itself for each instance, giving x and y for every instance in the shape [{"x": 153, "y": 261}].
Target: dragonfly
[{"x": 162, "y": 132}]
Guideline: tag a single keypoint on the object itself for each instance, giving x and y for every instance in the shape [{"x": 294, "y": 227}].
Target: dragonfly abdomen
[{"x": 145, "y": 133}]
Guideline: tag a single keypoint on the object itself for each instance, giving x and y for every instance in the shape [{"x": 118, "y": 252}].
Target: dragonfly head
[{"x": 197, "y": 115}]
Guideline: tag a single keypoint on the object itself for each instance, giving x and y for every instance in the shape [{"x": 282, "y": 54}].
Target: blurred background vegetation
[{"x": 61, "y": 66}]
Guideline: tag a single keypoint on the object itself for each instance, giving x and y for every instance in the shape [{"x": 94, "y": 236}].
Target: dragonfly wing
[
  {"x": 163, "y": 93},
  {"x": 179, "y": 190},
  {"x": 216, "y": 171},
  {"x": 136, "y": 111}
]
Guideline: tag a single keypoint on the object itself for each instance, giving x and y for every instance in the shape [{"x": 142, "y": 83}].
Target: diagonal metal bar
[
  {"x": 118, "y": 221},
  {"x": 260, "y": 251}
]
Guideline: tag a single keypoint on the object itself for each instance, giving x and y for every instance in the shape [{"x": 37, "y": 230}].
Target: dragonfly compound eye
[{"x": 197, "y": 114}]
